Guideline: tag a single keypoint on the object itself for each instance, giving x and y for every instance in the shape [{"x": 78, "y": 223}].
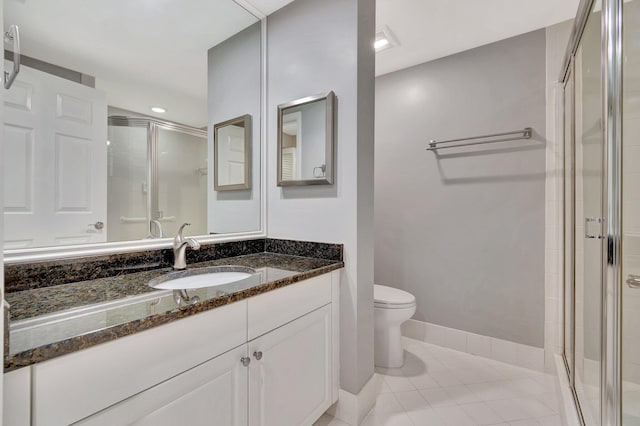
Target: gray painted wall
[
  {"x": 463, "y": 230},
  {"x": 315, "y": 46},
  {"x": 234, "y": 85}
]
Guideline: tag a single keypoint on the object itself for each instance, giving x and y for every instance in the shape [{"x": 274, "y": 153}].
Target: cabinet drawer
[
  {"x": 74, "y": 386},
  {"x": 270, "y": 310}
]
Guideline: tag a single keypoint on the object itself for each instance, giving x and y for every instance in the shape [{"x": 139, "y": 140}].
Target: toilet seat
[{"x": 392, "y": 298}]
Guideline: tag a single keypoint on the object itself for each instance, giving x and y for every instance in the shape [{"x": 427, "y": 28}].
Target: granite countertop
[{"x": 52, "y": 321}]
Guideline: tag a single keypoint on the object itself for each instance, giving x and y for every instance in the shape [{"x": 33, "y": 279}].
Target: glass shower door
[
  {"x": 630, "y": 365},
  {"x": 127, "y": 183},
  {"x": 588, "y": 220},
  {"x": 182, "y": 175}
]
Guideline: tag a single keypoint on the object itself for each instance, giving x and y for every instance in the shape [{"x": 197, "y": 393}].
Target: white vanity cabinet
[{"x": 271, "y": 359}]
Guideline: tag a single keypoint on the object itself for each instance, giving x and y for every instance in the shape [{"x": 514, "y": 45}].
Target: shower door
[
  {"x": 605, "y": 54},
  {"x": 630, "y": 346},
  {"x": 157, "y": 178},
  {"x": 127, "y": 183},
  {"x": 589, "y": 151},
  {"x": 181, "y": 181},
  {"x": 584, "y": 238}
]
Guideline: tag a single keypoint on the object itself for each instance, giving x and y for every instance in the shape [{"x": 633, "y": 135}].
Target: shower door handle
[
  {"x": 587, "y": 221},
  {"x": 12, "y": 35},
  {"x": 633, "y": 281}
]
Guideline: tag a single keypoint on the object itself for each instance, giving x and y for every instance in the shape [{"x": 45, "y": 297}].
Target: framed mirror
[
  {"x": 232, "y": 154},
  {"x": 305, "y": 141}
]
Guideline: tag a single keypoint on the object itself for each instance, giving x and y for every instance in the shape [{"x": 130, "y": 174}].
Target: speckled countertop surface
[{"x": 52, "y": 321}]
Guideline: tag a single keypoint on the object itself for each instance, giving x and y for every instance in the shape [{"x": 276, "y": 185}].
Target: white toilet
[{"x": 392, "y": 307}]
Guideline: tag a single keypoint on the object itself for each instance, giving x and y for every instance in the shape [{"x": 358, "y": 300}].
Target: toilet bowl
[{"x": 391, "y": 308}]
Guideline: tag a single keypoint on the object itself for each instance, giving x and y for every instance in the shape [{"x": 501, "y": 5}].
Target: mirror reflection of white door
[
  {"x": 292, "y": 146},
  {"x": 231, "y": 152},
  {"x": 55, "y": 159}
]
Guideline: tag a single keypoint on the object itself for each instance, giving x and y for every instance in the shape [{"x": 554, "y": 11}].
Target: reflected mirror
[
  {"x": 108, "y": 137},
  {"x": 305, "y": 141},
  {"x": 232, "y": 147}
]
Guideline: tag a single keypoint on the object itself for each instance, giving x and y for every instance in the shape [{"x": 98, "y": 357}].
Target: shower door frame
[
  {"x": 610, "y": 350},
  {"x": 152, "y": 126},
  {"x": 568, "y": 188},
  {"x": 611, "y": 374}
]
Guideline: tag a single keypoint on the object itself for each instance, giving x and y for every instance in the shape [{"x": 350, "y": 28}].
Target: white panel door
[
  {"x": 231, "y": 152},
  {"x": 290, "y": 385},
  {"x": 55, "y": 161},
  {"x": 213, "y": 393}
]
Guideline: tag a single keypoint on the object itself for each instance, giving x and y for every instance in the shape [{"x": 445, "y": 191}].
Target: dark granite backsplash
[
  {"x": 27, "y": 276},
  {"x": 304, "y": 248}
]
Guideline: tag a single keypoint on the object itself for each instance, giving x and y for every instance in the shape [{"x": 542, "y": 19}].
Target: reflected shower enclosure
[{"x": 157, "y": 178}]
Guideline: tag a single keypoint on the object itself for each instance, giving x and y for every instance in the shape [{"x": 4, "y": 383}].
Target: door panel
[
  {"x": 182, "y": 182},
  {"x": 128, "y": 183},
  {"x": 55, "y": 170},
  {"x": 588, "y": 220},
  {"x": 231, "y": 155},
  {"x": 630, "y": 363}
]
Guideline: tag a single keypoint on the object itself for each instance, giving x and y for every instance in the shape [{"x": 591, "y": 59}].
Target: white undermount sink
[{"x": 201, "y": 277}]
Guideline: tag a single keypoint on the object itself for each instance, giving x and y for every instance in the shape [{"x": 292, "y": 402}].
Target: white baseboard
[
  {"x": 476, "y": 344},
  {"x": 351, "y": 408}
]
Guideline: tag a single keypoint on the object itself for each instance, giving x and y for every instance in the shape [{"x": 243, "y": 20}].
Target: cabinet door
[
  {"x": 291, "y": 383},
  {"x": 17, "y": 398},
  {"x": 213, "y": 393}
]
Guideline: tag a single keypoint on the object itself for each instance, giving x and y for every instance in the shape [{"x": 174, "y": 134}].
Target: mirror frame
[
  {"x": 246, "y": 120},
  {"x": 41, "y": 254},
  {"x": 329, "y": 97}
]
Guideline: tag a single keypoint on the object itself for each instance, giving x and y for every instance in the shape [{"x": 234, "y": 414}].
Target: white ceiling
[
  {"x": 142, "y": 52},
  {"x": 431, "y": 29},
  {"x": 153, "y": 52}
]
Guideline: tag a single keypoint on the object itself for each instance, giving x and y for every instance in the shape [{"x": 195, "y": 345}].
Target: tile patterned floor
[{"x": 442, "y": 387}]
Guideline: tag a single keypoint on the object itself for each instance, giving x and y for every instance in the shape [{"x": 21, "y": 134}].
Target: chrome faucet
[
  {"x": 180, "y": 248},
  {"x": 159, "y": 233}
]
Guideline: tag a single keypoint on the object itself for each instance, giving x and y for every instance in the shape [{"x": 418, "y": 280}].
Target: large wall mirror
[
  {"x": 305, "y": 141},
  {"x": 108, "y": 137}
]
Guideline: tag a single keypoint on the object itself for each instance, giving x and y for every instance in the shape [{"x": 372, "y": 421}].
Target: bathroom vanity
[{"x": 259, "y": 351}]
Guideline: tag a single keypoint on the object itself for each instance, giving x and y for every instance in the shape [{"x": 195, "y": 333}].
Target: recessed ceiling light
[
  {"x": 159, "y": 110},
  {"x": 384, "y": 39}
]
